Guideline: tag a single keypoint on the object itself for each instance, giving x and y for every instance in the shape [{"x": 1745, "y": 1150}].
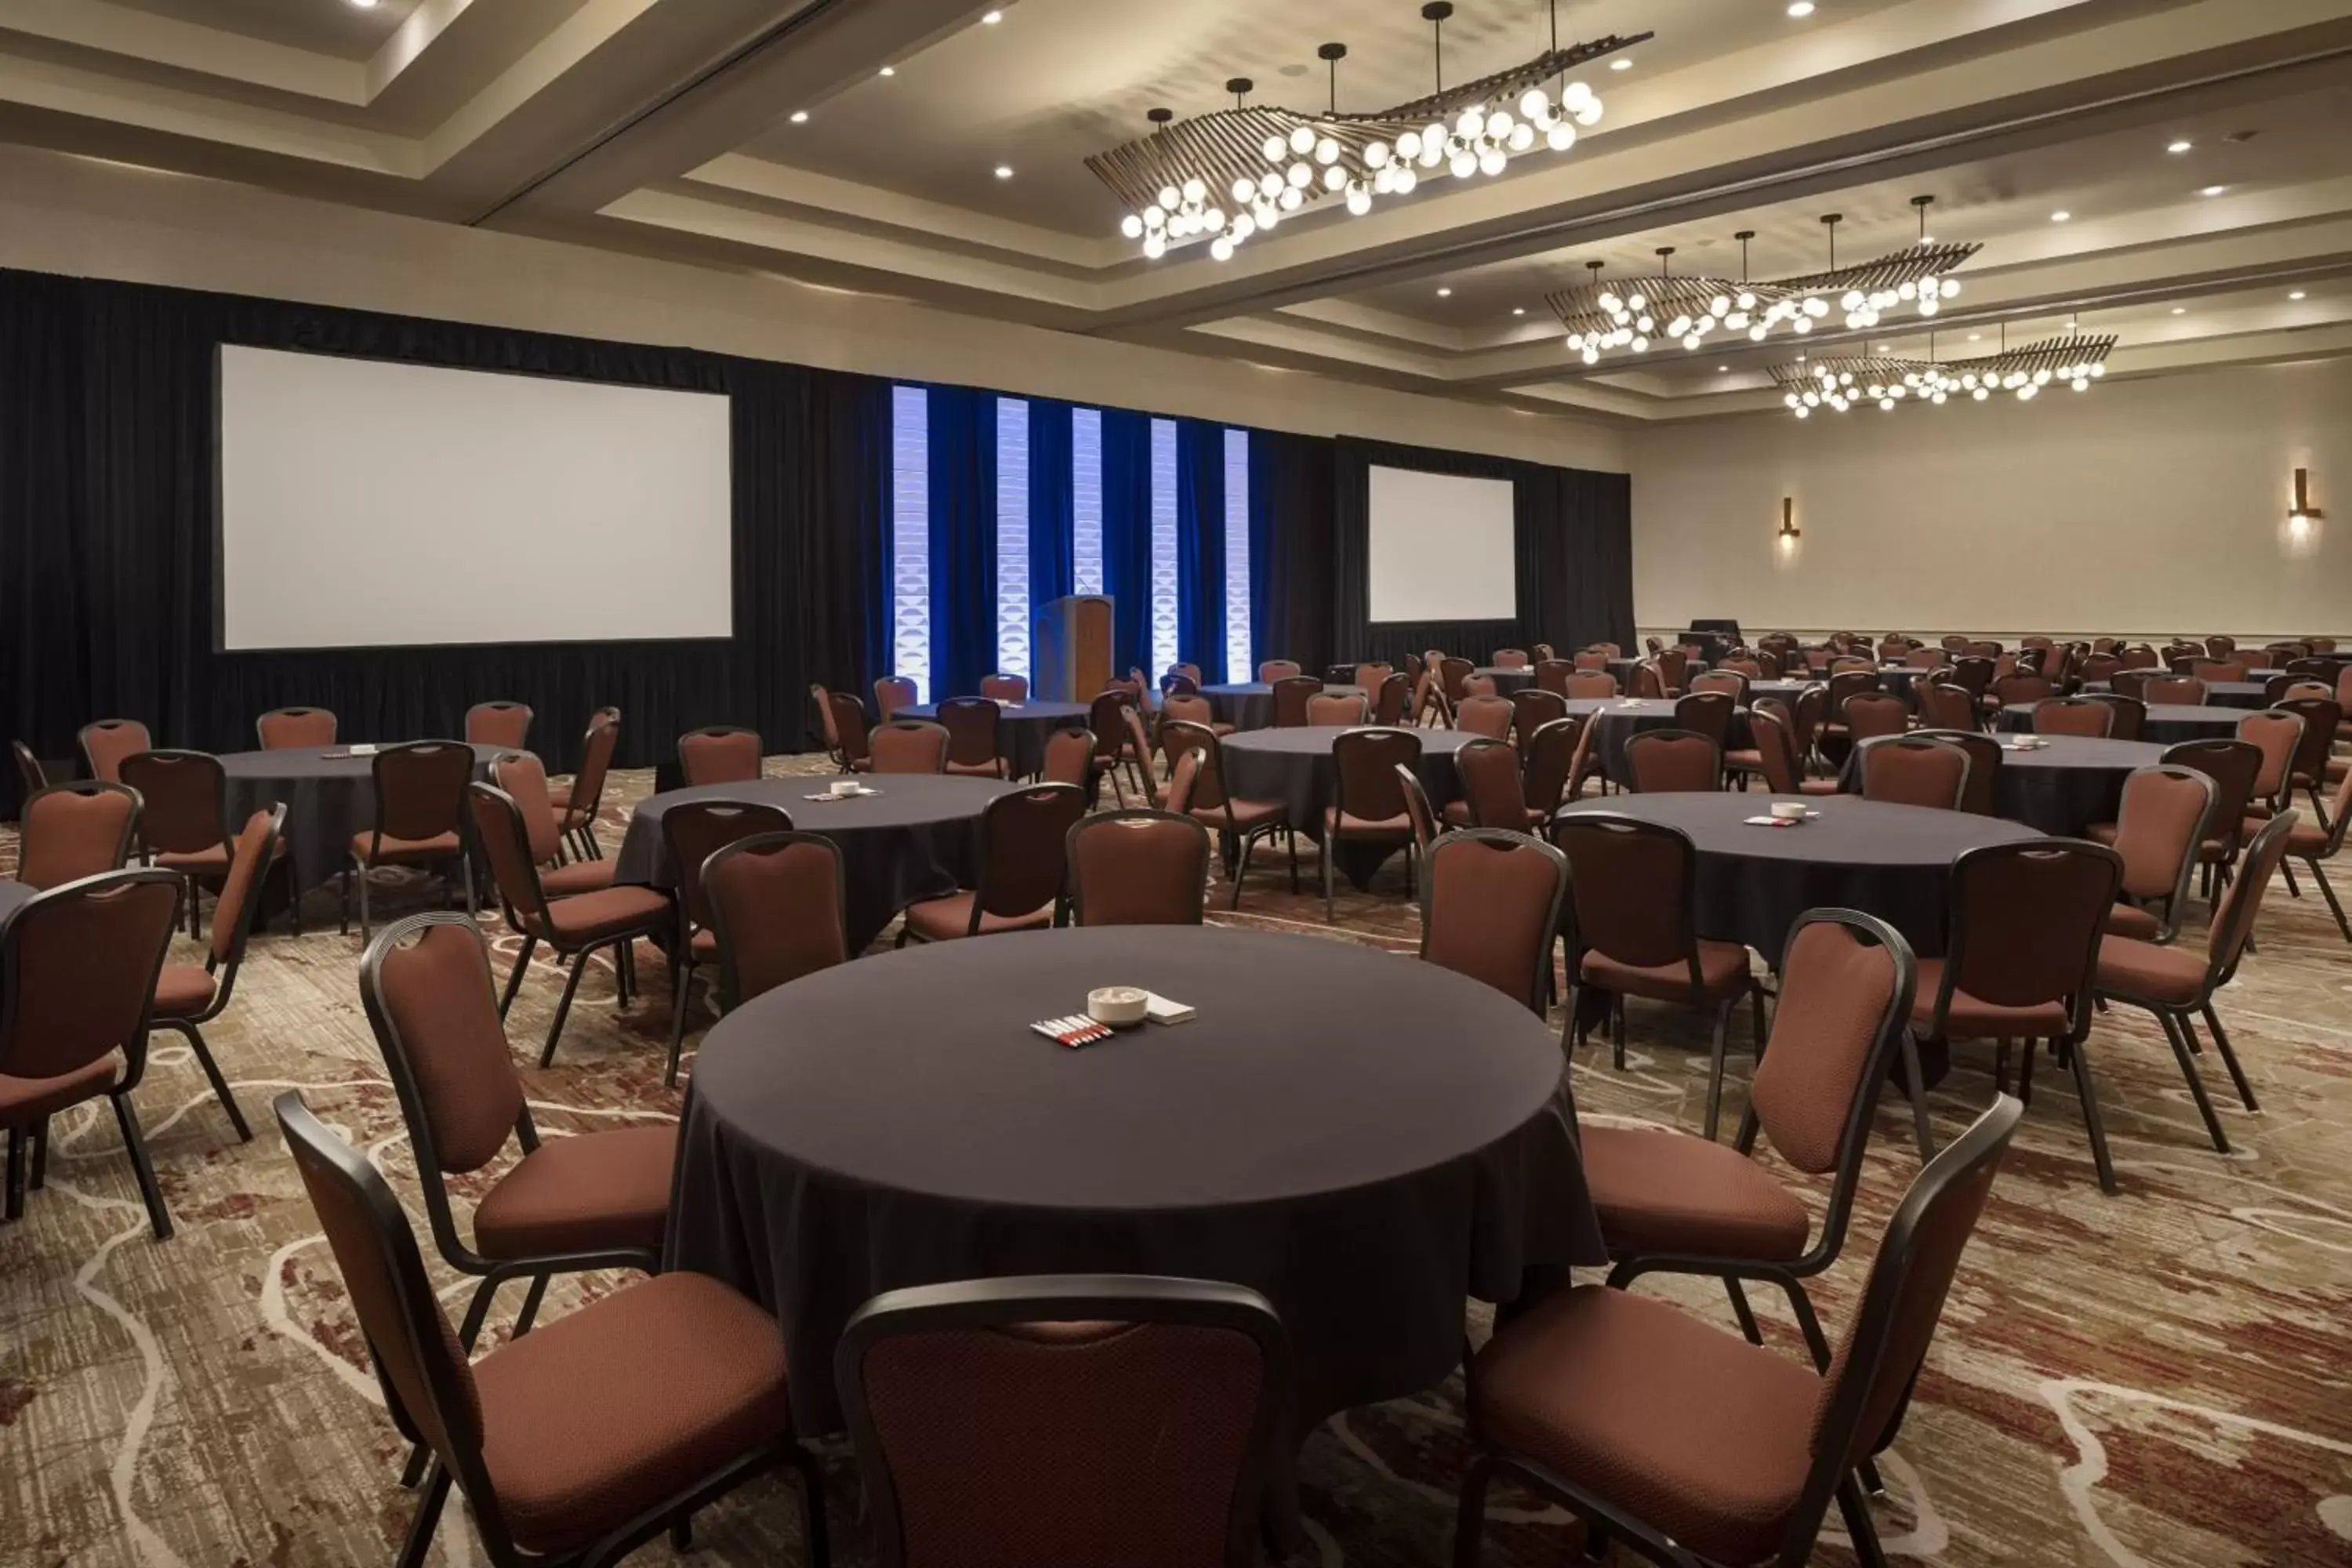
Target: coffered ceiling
[{"x": 668, "y": 127}]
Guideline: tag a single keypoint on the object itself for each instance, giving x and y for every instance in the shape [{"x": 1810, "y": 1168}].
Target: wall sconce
[
  {"x": 2302, "y": 515},
  {"x": 1790, "y": 532}
]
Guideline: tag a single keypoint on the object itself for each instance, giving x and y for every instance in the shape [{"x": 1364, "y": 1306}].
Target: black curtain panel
[
  {"x": 964, "y": 539},
  {"x": 1292, "y": 518},
  {"x": 108, "y": 480},
  {"x": 1573, "y": 560},
  {"x": 1201, "y": 548},
  {"x": 1052, "y": 516},
  {"x": 1126, "y": 535}
]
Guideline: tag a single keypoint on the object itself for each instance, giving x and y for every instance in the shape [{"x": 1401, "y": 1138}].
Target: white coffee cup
[
  {"x": 845, "y": 786},
  {"x": 1118, "y": 1006},
  {"x": 1788, "y": 810}
]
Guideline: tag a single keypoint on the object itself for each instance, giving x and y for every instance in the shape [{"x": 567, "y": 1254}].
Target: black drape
[
  {"x": 1126, "y": 535},
  {"x": 108, "y": 478},
  {"x": 1572, "y": 556},
  {"x": 1201, "y": 548},
  {"x": 1291, "y": 522},
  {"x": 964, "y": 539}
]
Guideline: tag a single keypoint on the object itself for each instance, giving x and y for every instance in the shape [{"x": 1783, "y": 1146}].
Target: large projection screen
[
  {"x": 367, "y": 504},
  {"x": 1441, "y": 548}
]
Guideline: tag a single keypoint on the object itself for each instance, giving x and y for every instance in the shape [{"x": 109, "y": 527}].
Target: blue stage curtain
[
  {"x": 1126, "y": 535},
  {"x": 1201, "y": 548},
  {"x": 964, "y": 539},
  {"x": 1051, "y": 523}
]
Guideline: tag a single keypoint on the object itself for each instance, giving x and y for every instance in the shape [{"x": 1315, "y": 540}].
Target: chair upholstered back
[
  {"x": 1586, "y": 685},
  {"x": 107, "y": 742},
  {"x": 2234, "y": 766},
  {"x": 1363, "y": 770},
  {"x": 1007, "y": 687},
  {"x": 2167, "y": 811},
  {"x": 1290, "y": 695},
  {"x": 1490, "y": 907},
  {"x": 1195, "y": 709},
  {"x": 2277, "y": 735},
  {"x": 425, "y": 985},
  {"x": 1483, "y": 715},
  {"x": 1630, "y": 888},
  {"x": 1489, "y": 772},
  {"x": 1275, "y": 669},
  {"x": 1776, "y": 748},
  {"x": 505, "y": 841},
  {"x": 182, "y": 800},
  {"x": 1668, "y": 761},
  {"x": 282, "y": 728},
  {"x": 502, "y": 724},
  {"x": 1533, "y": 707},
  {"x": 1846, "y": 986},
  {"x": 779, "y": 908},
  {"x": 892, "y": 692},
  {"x": 1942, "y": 705},
  {"x": 1184, "y": 780},
  {"x": 1138, "y": 867},
  {"x": 1393, "y": 702},
  {"x": 1069, "y": 757},
  {"x": 75, "y": 830},
  {"x": 695, "y": 830},
  {"x": 2074, "y": 716},
  {"x": 2176, "y": 690},
  {"x": 724, "y": 753},
  {"x": 2025, "y": 923},
  {"x": 1708, "y": 714},
  {"x": 1335, "y": 708},
  {"x": 1419, "y": 813},
  {"x": 596, "y": 749},
  {"x": 420, "y": 789},
  {"x": 1551, "y": 675},
  {"x": 2233, "y": 922},
  {"x": 1874, "y": 713},
  {"x": 1909, "y": 769},
  {"x": 240, "y": 896},
  {"x": 972, "y": 724},
  {"x": 849, "y": 731},
  {"x": 1023, "y": 838},
  {"x": 1510, "y": 659},
  {"x": 77, "y": 968},
  {"x": 908, "y": 746},
  {"x": 1109, "y": 1419},
  {"x": 1550, "y": 750},
  {"x": 525, "y": 782}
]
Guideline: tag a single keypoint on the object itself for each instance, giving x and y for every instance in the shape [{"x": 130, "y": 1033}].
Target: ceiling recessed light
[
  {"x": 1801, "y": 7},
  {"x": 800, "y": 117},
  {"x": 362, "y": 4},
  {"x": 2181, "y": 145},
  {"x": 2181, "y": 310},
  {"x": 1445, "y": 293},
  {"x": 890, "y": 70},
  {"x": 2296, "y": 295},
  {"x": 2212, "y": 190},
  {"x": 1522, "y": 310},
  {"x": 1975, "y": 336},
  {"x": 2060, "y": 216},
  {"x": 1620, "y": 65},
  {"x": 1004, "y": 171},
  {"x": 993, "y": 19},
  {"x": 1722, "y": 369}
]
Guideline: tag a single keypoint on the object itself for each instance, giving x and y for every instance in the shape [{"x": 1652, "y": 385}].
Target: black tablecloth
[
  {"x": 1507, "y": 681},
  {"x": 1892, "y": 861},
  {"x": 1249, "y": 704},
  {"x": 329, "y": 793},
  {"x": 1622, "y": 668},
  {"x": 2169, "y": 723},
  {"x": 1293, "y": 766},
  {"x": 1623, "y": 718},
  {"x": 2218, "y": 693},
  {"x": 1022, "y": 730},
  {"x": 2062, "y": 788},
  {"x": 917, "y": 839},
  {"x": 1363, "y": 1139}
]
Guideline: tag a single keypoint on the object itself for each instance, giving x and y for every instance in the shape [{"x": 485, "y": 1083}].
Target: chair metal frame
[
  {"x": 1233, "y": 846},
  {"x": 688, "y": 872},
  {"x": 984, "y": 856},
  {"x": 353, "y": 864},
  {"x": 225, "y": 972}
]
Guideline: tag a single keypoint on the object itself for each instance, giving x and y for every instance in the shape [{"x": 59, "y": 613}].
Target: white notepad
[{"x": 1161, "y": 1010}]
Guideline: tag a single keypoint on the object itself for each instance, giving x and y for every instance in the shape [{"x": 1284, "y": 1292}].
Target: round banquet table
[
  {"x": 1507, "y": 681},
  {"x": 1623, "y": 718},
  {"x": 1249, "y": 704},
  {"x": 2219, "y": 693},
  {"x": 1786, "y": 691},
  {"x": 916, "y": 839},
  {"x": 1363, "y": 1140},
  {"x": 1892, "y": 861},
  {"x": 329, "y": 795},
  {"x": 1623, "y": 668},
  {"x": 2061, "y": 787},
  {"x": 2169, "y": 723},
  {"x": 1022, "y": 729},
  {"x": 1293, "y": 766}
]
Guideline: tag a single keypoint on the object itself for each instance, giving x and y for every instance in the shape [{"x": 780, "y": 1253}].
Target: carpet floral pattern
[{"x": 2157, "y": 1380}]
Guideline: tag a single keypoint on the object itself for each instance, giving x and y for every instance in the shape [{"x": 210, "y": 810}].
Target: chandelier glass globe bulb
[
  {"x": 1641, "y": 345},
  {"x": 1980, "y": 394},
  {"x": 1472, "y": 123},
  {"x": 1244, "y": 226},
  {"x": 1533, "y": 102},
  {"x": 2025, "y": 394},
  {"x": 1273, "y": 148},
  {"x": 1359, "y": 200},
  {"x": 1692, "y": 342},
  {"x": 1170, "y": 195},
  {"x": 1908, "y": 291},
  {"x": 1927, "y": 307},
  {"x": 1462, "y": 166},
  {"x": 1407, "y": 146},
  {"x": 1326, "y": 150},
  {"x": 1560, "y": 136},
  {"x": 1376, "y": 154},
  {"x": 1951, "y": 287},
  {"x": 1195, "y": 190},
  {"x": 1131, "y": 226},
  {"x": 1154, "y": 247},
  {"x": 1384, "y": 182},
  {"x": 1493, "y": 162},
  {"x": 1523, "y": 136},
  {"x": 1222, "y": 249},
  {"x": 1302, "y": 139},
  {"x": 1213, "y": 219},
  {"x": 1335, "y": 178},
  {"x": 1291, "y": 199},
  {"x": 1803, "y": 412},
  {"x": 2082, "y": 384},
  {"x": 1757, "y": 332},
  {"x": 1405, "y": 181},
  {"x": 1244, "y": 190},
  {"x": 1269, "y": 185},
  {"x": 1804, "y": 324},
  {"x": 1816, "y": 307},
  {"x": 1299, "y": 174}
]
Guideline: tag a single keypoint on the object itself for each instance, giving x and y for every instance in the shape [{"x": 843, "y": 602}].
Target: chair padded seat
[
  {"x": 1670, "y": 1192},
  {"x": 1241, "y": 816},
  {"x": 369, "y": 850},
  {"x": 2131, "y": 921},
  {"x": 2101, "y": 833},
  {"x": 1345, "y": 823},
  {"x": 585, "y": 917},
  {"x": 2132, "y": 971},
  {"x": 1747, "y": 757},
  {"x": 990, "y": 769},
  {"x": 1819, "y": 787},
  {"x": 601, "y": 1415},
  {"x": 183, "y": 990},
  {"x": 1973, "y": 1018},
  {"x": 27, "y": 1100},
  {"x": 582, "y": 1194},
  {"x": 559, "y": 796},
  {"x": 213, "y": 859},
  {"x": 944, "y": 919},
  {"x": 1690, "y": 1428},
  {"x": 1722, "y": 970},
  {"x": 580, "y": 877},
  {"x": 2306, "y": 840}
]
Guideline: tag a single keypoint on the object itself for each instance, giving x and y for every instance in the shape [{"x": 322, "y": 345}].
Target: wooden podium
[{"x": 1070, "y": 656}]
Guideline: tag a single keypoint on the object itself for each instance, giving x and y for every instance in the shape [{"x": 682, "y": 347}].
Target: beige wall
[
  {"x": 91, "y": 218},
  {"x": 2142, "y": 507}
]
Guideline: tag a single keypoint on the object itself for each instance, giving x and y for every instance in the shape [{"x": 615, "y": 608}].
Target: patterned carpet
[{"x": 2163, "y": 1377}]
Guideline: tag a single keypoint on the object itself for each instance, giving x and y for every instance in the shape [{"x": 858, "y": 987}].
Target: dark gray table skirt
[
  {"x": 1621, "y": 718},
  {"x": 1293, "y": 766},
  {"x": 917, "y": 839},
  {"x": 1249, "y": 704},
  {"x": 1363, "y": 1139},
  {"x": 1622, "y": 668},
  {"x": 1507, "y": 681},
  {"x": 2218, "y": 693},
  {"x": 2169, "y": 723},
  {"x": 1892, "y": 861},
  {"x": 1022, "y": 731},
  {"x": 2061, "y": 788},
  {"x": 327, "y": 798}
]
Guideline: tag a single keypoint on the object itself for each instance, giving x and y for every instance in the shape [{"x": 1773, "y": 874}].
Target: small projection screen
[
  {"x": 369, "y": 504},
  {"x": 1441, "y": 548}
]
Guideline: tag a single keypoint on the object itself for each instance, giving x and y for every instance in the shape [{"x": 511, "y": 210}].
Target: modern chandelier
[
  {"x": 1227, "y": 176},
  {"x": 1691, "y": 310},
  {"x": 1841, "y": 383}
]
